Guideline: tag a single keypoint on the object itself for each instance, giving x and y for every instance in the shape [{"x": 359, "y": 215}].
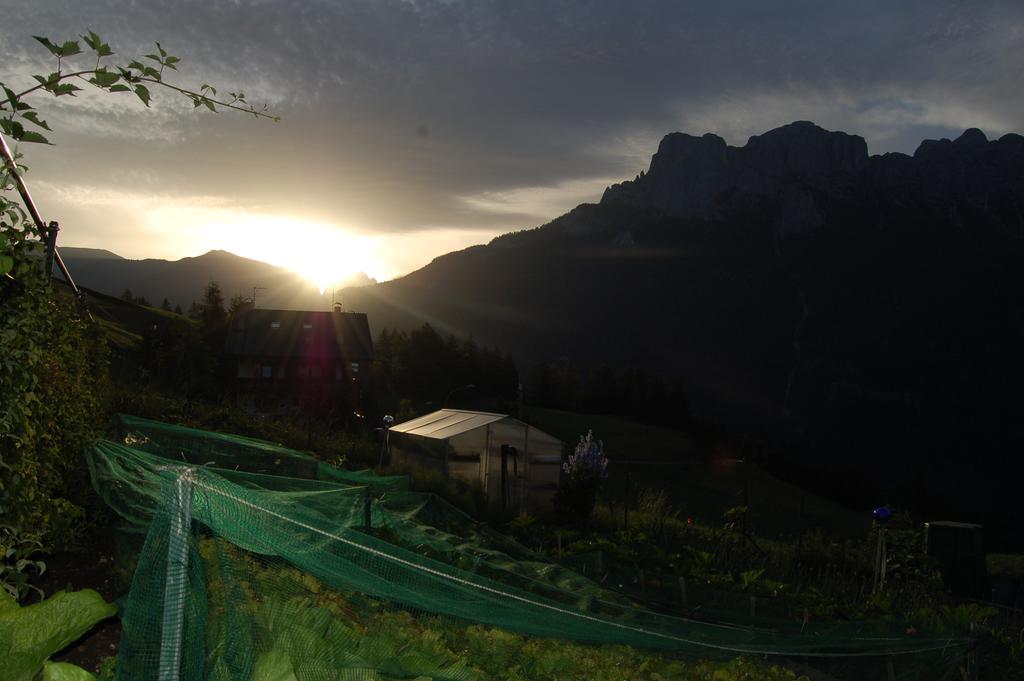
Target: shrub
[{"x": 53, "y": 384}]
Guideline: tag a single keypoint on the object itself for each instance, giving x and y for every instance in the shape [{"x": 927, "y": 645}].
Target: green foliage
[
  {"x": 425, "y": 369},
  {"x": 107, "y": 669},
  {"x": 1005, "y": 564},
  {"x": 133, "y": 76},
  {"x": 64, "y": 671},
  {"x": 317, "y": 628},
  {"x": 466, "y": 496},
  {"x": 17, "y": 551},
  {"x": 53, "y": 381},
  {"x": 291, "y": 431},
  {"x": 53, "y": 363},
  {"x": 501, "y": 654},
  {"x": 30, "y": 635}
]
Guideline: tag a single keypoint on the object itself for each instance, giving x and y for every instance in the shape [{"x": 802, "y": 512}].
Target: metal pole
[
  {"x": 879, "y": 581},
  {"x": 176, "y": 584},
  {"x": 30, "y": 206},
  {"x": 51, "y": 248}
]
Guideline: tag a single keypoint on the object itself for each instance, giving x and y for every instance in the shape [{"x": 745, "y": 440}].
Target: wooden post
[
  {"x": 972, "y": 658},
  {"x": 746, "y": 506},
  {"x": 890, "y": 669},
  {"x": 682, "y": 593},
  {"x": 753, "y": 606},
  {"x": 643, "y": 584}
]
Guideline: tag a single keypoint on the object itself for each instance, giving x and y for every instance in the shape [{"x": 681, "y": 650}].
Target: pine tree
[{"x": 212, "y": 313}]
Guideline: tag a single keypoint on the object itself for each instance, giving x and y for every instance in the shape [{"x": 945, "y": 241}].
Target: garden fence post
[
  {"x": 682, "y": 593},
  {"x": 176, "y": 584},
  {"x": 367, "y": 515}
]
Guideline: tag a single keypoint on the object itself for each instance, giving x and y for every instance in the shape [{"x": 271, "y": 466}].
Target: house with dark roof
[{"x": 300, "y": 356}]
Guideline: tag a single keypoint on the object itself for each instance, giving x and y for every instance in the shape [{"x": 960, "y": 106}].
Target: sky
[{"x": 411, "y": 128}]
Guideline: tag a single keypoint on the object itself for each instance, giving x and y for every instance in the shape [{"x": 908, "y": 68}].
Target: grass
[
  {"x": 1006, "y": 565},
  {"x": 703, "y": 481}
]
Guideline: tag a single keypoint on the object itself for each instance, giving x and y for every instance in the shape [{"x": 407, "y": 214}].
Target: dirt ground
[{"x": 92, "y": 569}]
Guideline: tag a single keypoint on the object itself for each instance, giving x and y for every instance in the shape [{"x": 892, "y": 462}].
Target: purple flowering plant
[
  {"x": 587, "y": 464},
  {"x": 582, "y": 474}
]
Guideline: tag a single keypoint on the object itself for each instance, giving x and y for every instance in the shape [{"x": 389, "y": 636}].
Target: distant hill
[
  {"x": 183, "y": 281},
  {"x": 866, "y": 311}
]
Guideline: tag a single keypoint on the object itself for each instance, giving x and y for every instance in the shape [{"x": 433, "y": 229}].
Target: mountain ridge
[
  {"x": 183, "y": 281},
  {"x": 796, "y": 284}
]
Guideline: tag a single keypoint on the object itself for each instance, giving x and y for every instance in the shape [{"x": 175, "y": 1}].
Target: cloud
[{"x": 525, "y": 103}]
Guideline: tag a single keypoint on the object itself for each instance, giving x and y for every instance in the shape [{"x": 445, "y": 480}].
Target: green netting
[
  {"x": 236, "y": 452},
  {"x": 248, "y": 575}
]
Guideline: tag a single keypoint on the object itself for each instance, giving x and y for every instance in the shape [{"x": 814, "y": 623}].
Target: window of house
[
  {"x": 266, "y": 371},
  {"x": 275, "y": 325},
  {"x": 307, "y": 325},
  {"x": 355, "y": 367}
]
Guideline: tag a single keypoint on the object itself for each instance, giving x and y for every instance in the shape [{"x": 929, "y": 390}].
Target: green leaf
[
  {"x": 209, "y": 104},
  {"x": 104, "y": 78},
  {"x": 16, "y": 104},
  {"x": 64, "y": 89},
  {"x": 101, "y": 48},
  {"x": 92, "y": 40},
  {"x": 6, "y": 264},
  {"x": 273, "y": 665},
  {"x": 12, "y": 128},
  {"x": 11, "y": 97},
  {"x": 120, "y": 87},
  {"x": 64, "y": 671},
  {"x": 69, "y": 49},
  {"x": 31, "y": 634},
  {"x": 143, "y": 93},
  {"x": 48, "y": 45},
  {"x": 51, "y": 79},
  {"x": 32, "y": 136},
  {"x": 34, "y": 118}
]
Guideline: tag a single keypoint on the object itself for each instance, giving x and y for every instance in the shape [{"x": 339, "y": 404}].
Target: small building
[
  {"x": 516, "y": 465},
  {"x": 299, "y": 355}
]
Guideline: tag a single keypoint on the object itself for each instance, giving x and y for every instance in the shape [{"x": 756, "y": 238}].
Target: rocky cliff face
[{"x": 703, "y": 178}]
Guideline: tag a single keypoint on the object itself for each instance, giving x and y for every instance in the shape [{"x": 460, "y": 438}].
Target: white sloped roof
[{"x": 445, "y": 423}]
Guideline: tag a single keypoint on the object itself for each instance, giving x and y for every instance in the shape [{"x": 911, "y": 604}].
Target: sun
[{"x": 322, "y": 254}]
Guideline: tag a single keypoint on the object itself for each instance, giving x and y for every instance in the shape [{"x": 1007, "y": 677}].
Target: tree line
[
  {"x": 421, "y": 369},
  {"x": 629, "y": 392}
]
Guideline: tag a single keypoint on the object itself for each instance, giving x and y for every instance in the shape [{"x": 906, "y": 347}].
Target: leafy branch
[{"x": 136, "y": 76}]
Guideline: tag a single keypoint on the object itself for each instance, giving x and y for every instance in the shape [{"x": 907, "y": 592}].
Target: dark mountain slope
[
  {"x": 183, "y": 281},
  {"x": 868, "y": 311}
]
